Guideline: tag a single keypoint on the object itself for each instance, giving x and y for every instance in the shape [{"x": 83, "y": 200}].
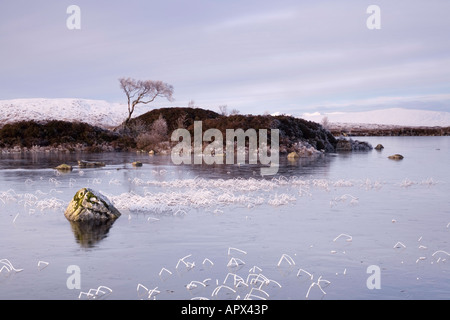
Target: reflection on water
[
  {"x": 89, "y": 233},
  {"x": 118, "y": 161}
]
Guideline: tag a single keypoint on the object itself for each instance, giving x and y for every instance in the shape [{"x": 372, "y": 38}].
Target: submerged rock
[
  {"x": 396, "y": 157},
  {"x": 64, "y": 167},
  {"x": 90, "y": 205},
  {"x": 87, "y": 164},
  {"x": 293, "y": 155},
  {"x": 300, "y": 149},
  {"x": 137, "y": 164},
  {"x": 379, "y": 147}
]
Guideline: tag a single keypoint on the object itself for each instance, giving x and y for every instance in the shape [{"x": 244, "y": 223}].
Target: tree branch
[{"x": 141, "y": 90}]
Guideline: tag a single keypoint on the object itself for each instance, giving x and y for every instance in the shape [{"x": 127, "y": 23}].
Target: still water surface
[{"x": 228, "y": 225}]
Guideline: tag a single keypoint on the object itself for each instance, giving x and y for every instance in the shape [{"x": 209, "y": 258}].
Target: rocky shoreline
[
  {"x": 64, "y": 148},
  {"x": 299, "y": 149}
]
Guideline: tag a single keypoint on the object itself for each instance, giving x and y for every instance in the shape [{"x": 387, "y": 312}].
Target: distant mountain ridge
[
  {"x": 109, "y": 115},
  {"x": 393, "y": 116}
]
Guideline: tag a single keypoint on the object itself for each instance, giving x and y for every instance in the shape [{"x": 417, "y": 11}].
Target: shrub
[
  {"x": 146, "y": 141},
  {"x": 158, "y": 134},
  {"x": 31, "y": 133}
]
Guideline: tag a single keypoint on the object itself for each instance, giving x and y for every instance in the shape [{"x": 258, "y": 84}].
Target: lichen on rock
[{"x": 88, "y": 204}]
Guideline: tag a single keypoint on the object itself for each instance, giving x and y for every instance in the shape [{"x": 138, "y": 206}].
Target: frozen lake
[{"x": 224, "y": 232}]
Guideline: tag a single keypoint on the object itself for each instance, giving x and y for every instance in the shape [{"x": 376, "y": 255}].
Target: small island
[{"x": 150, "y": 133}]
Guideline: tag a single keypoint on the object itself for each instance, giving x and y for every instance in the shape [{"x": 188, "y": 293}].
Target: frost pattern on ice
[{"x": 178, "y": 196}]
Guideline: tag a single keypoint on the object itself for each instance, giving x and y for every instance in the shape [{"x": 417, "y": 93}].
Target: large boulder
[{"x": 90, "y": 205}]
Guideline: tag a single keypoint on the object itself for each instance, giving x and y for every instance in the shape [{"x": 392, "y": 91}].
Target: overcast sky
[{"x": 252, "y": 55}]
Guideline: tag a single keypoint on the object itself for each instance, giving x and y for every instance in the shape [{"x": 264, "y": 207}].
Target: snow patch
[{"x": 94, "y": 112}]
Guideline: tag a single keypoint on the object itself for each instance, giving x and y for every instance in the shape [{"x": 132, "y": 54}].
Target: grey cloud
[{"x": 254, "y": 56}]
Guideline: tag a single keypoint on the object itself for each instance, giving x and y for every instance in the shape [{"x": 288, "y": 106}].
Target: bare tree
[
  {"x": 181, "y": 121},
  {"x": 325, "y": 123},
  {"x": 137, "y": 127},
  {"x": 159, "y": 127},
  {"x": 143, "y": 91},
  {"x": 223, "y": 109},
  {"x": 158, "y": 133},
  {"x": 234, "y": 112},
  {"x": 191, "y": 104}
]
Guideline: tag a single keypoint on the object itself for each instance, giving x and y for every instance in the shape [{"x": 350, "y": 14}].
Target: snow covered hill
[
  {"x": 95, "y": 112},
  {"x": 394, "y": 116}
]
